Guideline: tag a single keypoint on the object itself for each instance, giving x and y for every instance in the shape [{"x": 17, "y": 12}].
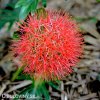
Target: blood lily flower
[{"x": 50, "y": 46}]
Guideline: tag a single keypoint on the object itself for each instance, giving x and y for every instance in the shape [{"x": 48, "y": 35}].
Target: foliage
[
  {"x": 28, "y": 6},
  {"x": 98, "y": 0},
  {"x": 9, "y": 15},
  {"x": 17, "y": 10},
  {"x": 40, "y": 92}
]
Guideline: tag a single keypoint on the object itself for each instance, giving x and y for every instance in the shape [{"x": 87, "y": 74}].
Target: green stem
[
  {"x": 38, "y": 83},
  {"x": 15, "y": 75}
]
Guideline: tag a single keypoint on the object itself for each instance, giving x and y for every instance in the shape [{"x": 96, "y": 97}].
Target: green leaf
[
  {"x": 54, "y": 85},
  {"x": 45, "y": 92},
  {"x": 8, "y": 16},
  {"x": 24, "y": 12},
  {"x": 98, "y": 0},
  {"x": 27, "y": 6},
  {"x": 23, "y": 77},
  {"x": 30, "y": 1},
  {"x": 15, "y": 75},
  {"x": 79, "y": 19},
  {"x": 34, "y": 5},
  {"x": 44, "y": 3},
  {"x": 24, "y": 92},
  {"x": 93, "y": 19},
  {"x": 20, "y": 3},
  {"x": 41, "y": 90},
  {"x": 10, "y": 25}
]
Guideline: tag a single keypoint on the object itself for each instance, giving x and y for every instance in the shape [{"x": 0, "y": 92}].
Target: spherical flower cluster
[{"x": 49, "y": 47}]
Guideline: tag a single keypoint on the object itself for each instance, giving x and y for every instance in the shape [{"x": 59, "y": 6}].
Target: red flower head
[{"x": 50, "y": 46}]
